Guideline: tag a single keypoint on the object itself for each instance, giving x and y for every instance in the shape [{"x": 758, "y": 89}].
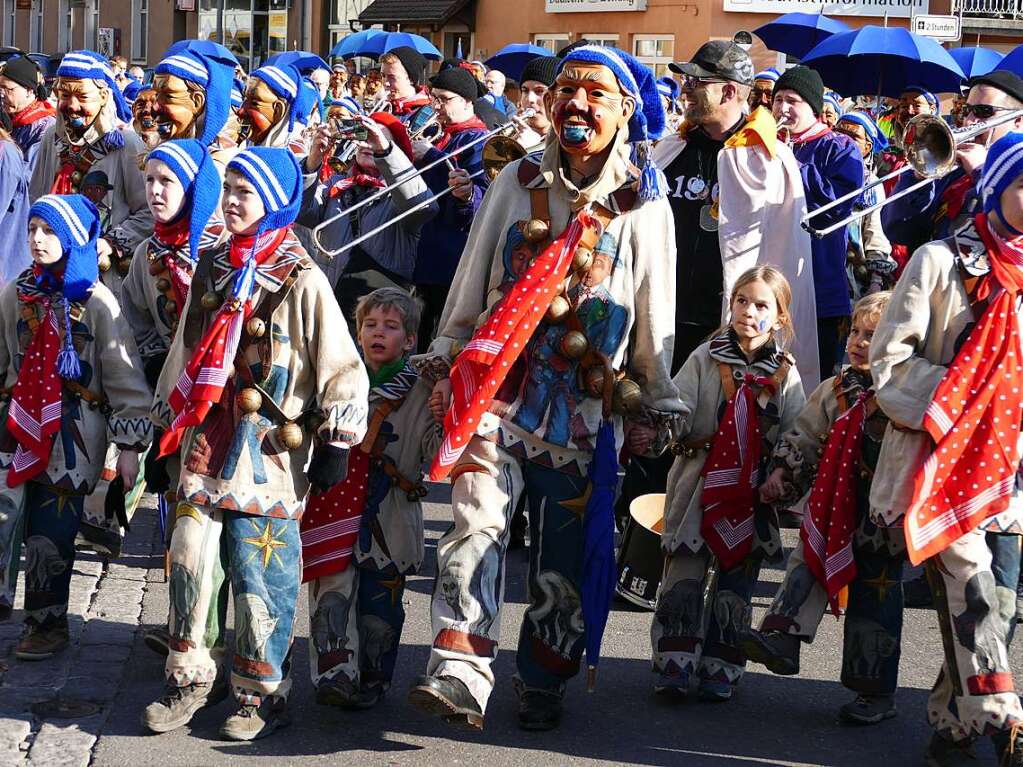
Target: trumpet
[
  {"x": 380, "y": 104},
  {"x": 785, "y": 131},
  {"x": 930, "y": 146},
  {"x": 432, "y": 124}
]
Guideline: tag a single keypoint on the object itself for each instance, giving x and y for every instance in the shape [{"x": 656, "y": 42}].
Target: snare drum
[{"x": 640, "y": 561}]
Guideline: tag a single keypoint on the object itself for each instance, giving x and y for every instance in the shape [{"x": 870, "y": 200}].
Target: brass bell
[
  {"x": 255, "y": 327},
  {"x": 557, "y": 310},
  {"x": 291, "y": 436},
  {"x": 628, "y": 396},
  {"x": 536, "y": 230},
  {"x": 582, "y": 259},
  {"x": 156, "y": 268},
  {"x": 76, "y": 177},
  {"x": 249, "y": 400},
  {"x": 593, "y": 381},
  {"x": 210, "y": 300},
  {"x": 123, "y": 265},
  {"x": 163, "y": 284},
  {"x": 103, "y": 261},
  {"x": 574, "y": 344}
]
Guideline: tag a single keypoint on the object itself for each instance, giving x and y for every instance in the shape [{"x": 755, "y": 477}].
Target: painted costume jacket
[
  {"x": 703, "y": 400},
  {"x": 304, "y": 360},
  {"x": 111, "y": 376},
  {"x": 927, "y": 318},
  {"x": 542, "y": 413}
]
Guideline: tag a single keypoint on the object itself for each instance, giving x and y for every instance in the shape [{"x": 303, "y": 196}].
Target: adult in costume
[
  {"x": 14, "y": 177},
  {"x": 571, "y": 273},
  {"x": 24, "y": 98},
  {"x": 193, "y": 92},
  {"x": 269, "y": 111},
  {"x": 762, "y": 90}
]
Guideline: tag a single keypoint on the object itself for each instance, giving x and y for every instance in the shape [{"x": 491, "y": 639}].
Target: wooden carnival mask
[
  {"x": 179, "y": 106},
  {"x": 260, "y": 111},
  {"x": 588, "y": 107},
  {"x": 80, "y": 102}
]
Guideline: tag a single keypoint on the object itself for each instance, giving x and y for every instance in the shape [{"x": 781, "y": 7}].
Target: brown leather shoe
[{"x": 42, "y": 643}]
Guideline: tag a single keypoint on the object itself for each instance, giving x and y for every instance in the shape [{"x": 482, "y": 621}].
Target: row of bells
[
  {"x": 290, "y": 434},
  {"x": 123, "y": 264}
]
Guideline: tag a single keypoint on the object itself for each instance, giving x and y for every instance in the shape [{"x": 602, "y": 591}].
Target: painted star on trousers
[
  {"x": 578, "y": 504},
  {"x": 393, "y": 585},
  {"x": 266, "y": 543},
  {"x": 882, "y": 583}
]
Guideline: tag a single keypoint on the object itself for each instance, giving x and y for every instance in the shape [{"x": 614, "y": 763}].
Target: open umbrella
[
  {"x": 204, "y": 47},
  {"x": 349, "y": 47},
  {"x": 975, "y": 61},
  {"x": 796, "y": 34},
  {"x": 303, "y": 61},
  {"x": 379, "y": 45},
  {"x": 1013, "y": 61},
  {"x": 512, "y": 59},
  {"x": 884, "y": 61}
]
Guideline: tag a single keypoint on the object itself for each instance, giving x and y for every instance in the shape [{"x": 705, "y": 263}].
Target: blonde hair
[
  {"x": 871, "y": 306},
  {"x": 782, "y": 291},
  {"x": 390, "y": 298}
]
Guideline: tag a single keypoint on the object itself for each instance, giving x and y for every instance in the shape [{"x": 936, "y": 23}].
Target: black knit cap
[
  {"x": 1007, "y": 82},
  {"x": 413, "y": 61},
  {"x": 542, "y": 69},
  {"x": 456, "y": 80},
  {"x": 23, "y": 71},
  {"x": 807, "y": 83}
]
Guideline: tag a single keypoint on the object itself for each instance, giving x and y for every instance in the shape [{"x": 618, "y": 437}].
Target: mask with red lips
[{"x": 588, "y": 108}]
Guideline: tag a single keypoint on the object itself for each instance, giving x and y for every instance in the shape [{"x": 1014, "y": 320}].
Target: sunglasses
[
  {"x": 692, "y": 82},
  {"x": 982, "y": 111}
]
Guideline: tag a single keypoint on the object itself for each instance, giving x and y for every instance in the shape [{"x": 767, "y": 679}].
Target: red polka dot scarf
[
  {"x": 331, "y": 520},
  {"x": 974, "y": 418},
  {"x": 483, "y": 364}
]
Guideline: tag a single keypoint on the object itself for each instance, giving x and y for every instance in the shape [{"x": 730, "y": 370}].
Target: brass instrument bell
[{"x": 499, "y": 151}]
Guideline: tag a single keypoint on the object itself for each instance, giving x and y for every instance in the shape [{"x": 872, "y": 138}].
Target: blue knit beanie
[
  {"x": 308, "y": 99},
  {"x": 832, "y": 98},
  {"x": 668, "y": 87},
  {"x": 278, "y": 180},
  {"x": 865, "y": 121},
  {"x": 89, "y": 65},
  {"x": 1004, "y": 165},
  {"x": 212, "y": 73},
  {"x": 131, "y": 91},
  {"x": 285, "y": 82},
  {"x": 649, "y": 120},
  {"x": 770, "y": 73},
  {"x": 190, "y": 161},
  {"x": 75, "y": 221}
]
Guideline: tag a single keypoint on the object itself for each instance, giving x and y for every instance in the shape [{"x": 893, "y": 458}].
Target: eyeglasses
[
  {"x": 692, "y": 82},
  {"x": 442, "y": 100},
  {"x": 983, "y": 111}
]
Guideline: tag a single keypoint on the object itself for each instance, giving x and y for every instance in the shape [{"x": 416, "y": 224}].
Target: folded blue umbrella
[
  {"x": 796, "y": 34},
  {"x": 976, "y": 61},
  {"x": 376, "y": 46},
  {"x": 349, "y": 47},
  {"x": 512, "y": 59},
  {"x": 884, "y": 61}
]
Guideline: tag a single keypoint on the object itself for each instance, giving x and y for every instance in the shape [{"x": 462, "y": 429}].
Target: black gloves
[
  {"x": 157, "y": 478},
  {"x": 113, "y": 504},
  {"x": 152, "y": 367},
  {"x": 328, "y": 467}
]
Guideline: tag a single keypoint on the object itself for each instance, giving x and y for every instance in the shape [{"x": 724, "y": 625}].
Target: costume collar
[
  {"x": 970, "y": 249},
  {"x": 37, "y": 110},
  {"x": 814, "y": 132},
  {"x": 617, "y": 172},
  {"x": 725, "y": 348},
  {"x": 395, "y": 381},
  {"x": 271, "y": 274}
]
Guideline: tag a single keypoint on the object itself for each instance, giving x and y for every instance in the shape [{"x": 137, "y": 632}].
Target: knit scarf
[
  {"x": 37, "y": 110},
  {"x": 356, "y": 179},
  {"x": 35, "y": 411},
  {"x": 814, "y": 132},
  {"x": 484, "y": 363},
  {"x": 174, "y": 237},
  {"x": 201, "y": 384},
  {"x": 474, "y": 123},
  {"x": 729, "y": 477},
  {"x": 974, "y": 417},
  {"x": 830, "y": 519}
]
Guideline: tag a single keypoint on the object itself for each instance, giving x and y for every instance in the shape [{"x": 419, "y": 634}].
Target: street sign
[{"x": 945, "y": 28}]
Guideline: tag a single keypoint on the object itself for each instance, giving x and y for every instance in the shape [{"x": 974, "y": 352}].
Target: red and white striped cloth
[{"x": 330, "y": 523}]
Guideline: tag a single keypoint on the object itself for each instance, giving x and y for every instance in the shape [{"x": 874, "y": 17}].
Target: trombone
[
  {"x": 930, "y": 147},
  {"x": 506, "y": 151}
]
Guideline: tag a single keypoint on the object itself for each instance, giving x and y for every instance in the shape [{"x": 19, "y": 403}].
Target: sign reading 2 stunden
[
  {"x": 896, "y": 9},
  {"x": 581, "y": 6}
]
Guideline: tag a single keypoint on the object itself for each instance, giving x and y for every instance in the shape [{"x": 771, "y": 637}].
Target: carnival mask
[
  {"x": 80, "y": 102},
  {"x": 143, "y": 117},
  {"x": 587, "y": 108},
  {"x": 260, "y": 111},
  {"x": 179, "y": 105}
]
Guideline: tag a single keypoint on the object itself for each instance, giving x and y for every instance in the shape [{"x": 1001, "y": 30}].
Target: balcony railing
[{"x": 992, "y": 9}]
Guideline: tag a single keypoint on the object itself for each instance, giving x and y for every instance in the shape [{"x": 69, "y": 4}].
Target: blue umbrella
[
  {"x": 349, "y": 47},
  {"x": 599, "y": 569},
  {"x": 204, "y": 47},
  {"x": 379, "y": 45},
  {"x": 797, "y": 33},
  {"x": 1013, "y": 61},
  {"x": 884, "y": 61},
  {"x": 976, "y": 61},
  {"x": 512, "y": 59}
]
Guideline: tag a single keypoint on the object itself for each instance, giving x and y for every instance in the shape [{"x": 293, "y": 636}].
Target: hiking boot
[
  {"x": 868, "y": 709},
  {"x": 42, "y": 643},
  {"x": 178, "y": 705},
  {"x": 917, "y": 593},
  {"x": 714, "y": 691},
  {"x": 251, "y": 722},
  {"x": 775, "y": 649},
  {"x": 942, "y": 752},
  {"x": 1009, "y": 747},
  {"x": 448, "y": 697},
  {"x": 672, "y": 685},
  {"x": 157, "y": 639},
  {"x": 539, "y": 710},
  {"x": 339, "y": 691}
]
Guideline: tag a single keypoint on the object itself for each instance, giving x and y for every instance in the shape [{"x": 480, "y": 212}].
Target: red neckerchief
[
  {"x": 953, "y": 198},
  {"x": 830, "y": 521},
  {"x": 356, "y": 179},
  {"x": 814, "y": 132},
  {"x": 330, "y": 522},
  {"x": 33, "y": 418},
  {"x": 485, "y": 361},
  {"x": 474, "y": 123},
  {"x": 37, "y": 110},
  {"x": 729, "y": 475},
  {"x": 201, "y": 384},
  {"x": 175, "y": 237},
  {"x": 974, "y": 417},
  {"x": 409, "y": 105}
]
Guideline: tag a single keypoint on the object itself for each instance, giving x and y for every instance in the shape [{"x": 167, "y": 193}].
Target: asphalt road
[{"x": 772, "y": 720}]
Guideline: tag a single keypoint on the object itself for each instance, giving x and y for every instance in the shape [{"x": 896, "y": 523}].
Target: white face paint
[{"x": 43, "y": 244}]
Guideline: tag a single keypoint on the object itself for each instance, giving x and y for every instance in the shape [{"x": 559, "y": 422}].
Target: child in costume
[
  {"x": 834, "y": 447},
  {"x": 260, "y": 376},
  {"x": 946, "y": 365},
  {"x": 74, "y": 383},
  {"x": 740, "y": 392},
  {"x": 376, "y": 514}
]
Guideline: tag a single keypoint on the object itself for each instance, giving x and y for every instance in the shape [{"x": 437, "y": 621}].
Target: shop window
[
  {"x": 35, "y": 24},
  {"x": 553, "y": 43},
  {"x": 656, "y": 51},
  {"x": 139, "y": 30},
  {"x": 599, "y": 38}
]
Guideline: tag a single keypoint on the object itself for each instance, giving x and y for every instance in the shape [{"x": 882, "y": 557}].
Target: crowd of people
[{"x": 272, "y": 298}]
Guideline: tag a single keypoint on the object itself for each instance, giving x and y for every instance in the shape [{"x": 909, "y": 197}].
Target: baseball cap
[{"x": 721, "y": 59}]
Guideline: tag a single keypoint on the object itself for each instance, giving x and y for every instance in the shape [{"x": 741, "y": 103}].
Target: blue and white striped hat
[
  {"x": 1004, "y": 165},
  {"x": 285, "y": 82},
  {"x": 237, "y": 94},
  {"x": 190, "y": 161},
  {"x": 865, "y": 121},
  {"x": 348, "y": 103},
  {"x": 212, "y": 73},
  {"x": 770, "y": 73},
  {"x": 278, "y": 180},
  {"x": 832, "y": 98},
  {"x": 89, "y": 65}
]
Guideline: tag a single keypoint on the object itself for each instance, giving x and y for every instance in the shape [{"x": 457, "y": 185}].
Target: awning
[{"x": 407, "y": 11}]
